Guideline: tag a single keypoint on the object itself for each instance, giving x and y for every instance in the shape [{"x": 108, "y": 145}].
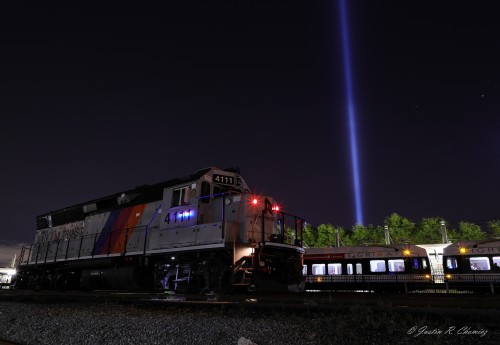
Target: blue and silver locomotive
[{"x": 203, "y": 232}]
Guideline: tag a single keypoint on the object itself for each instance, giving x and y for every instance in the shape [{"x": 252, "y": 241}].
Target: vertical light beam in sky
[{"x": 351, "y": 113}]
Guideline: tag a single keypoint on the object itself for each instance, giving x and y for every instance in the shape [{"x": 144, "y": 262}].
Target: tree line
[{"x": 401, "y": 230}]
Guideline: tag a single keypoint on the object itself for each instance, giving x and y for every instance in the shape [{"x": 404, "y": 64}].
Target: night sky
[{"x": 96, "y": 100}]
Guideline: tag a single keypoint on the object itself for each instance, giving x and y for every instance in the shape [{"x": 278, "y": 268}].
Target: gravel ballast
[{"x": 109, "y": 323}]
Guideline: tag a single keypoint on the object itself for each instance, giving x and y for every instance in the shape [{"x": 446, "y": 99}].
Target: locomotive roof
[{"x": 141, "y": 194}]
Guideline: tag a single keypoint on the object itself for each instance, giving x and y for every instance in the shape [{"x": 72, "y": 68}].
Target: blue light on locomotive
[{"x": 185, "y": 214}]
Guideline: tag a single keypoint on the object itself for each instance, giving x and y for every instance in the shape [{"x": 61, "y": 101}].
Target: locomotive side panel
[
  {"x": 115, "y": 229},
  {"x": 51, "y": 244},
  {"x": 148, "y": 224},
  {"x": 93, "y": 225}
]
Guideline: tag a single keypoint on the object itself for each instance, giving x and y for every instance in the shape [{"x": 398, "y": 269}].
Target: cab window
[
  {"x": 451, "y": 263},
  {"x": 218, "y": 190},
  {"x": 180, "y": 196},
  {"x": 205, "y": 192}
]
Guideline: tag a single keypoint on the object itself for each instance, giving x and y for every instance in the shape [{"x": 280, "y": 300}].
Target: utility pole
[
  {"x": 337, "y": 237},
  {"x": 386, "y": 234},
  {"x": 444, "y": 234}
]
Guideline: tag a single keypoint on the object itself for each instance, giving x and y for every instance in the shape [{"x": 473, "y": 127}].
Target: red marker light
[
  {"x": 276, "y": 208},
  {"x": 254, "y": 201}
]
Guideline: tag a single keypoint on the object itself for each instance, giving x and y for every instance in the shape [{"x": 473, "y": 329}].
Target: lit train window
[
  {"x": 451, "y": 263},
  {"x": 424, "y": 264},
  {"x": 359, "y": 269},
  {"x": 480, "y": 263},
  {"x": 334, "y": 269},
  {"x": 415, "y": 263},
  {"x": 496, "y": 262},
  {"x": 304, "y": 270},
  {"x": 349, "y": 269},
  {"x": 377, "y": 265},
  {"x": 397, "y": 265},
  {"x": 318, "y": 269}
]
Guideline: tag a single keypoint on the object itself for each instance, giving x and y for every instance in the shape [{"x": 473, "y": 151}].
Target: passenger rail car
[
  {"x": 367, "y": 268},
  {"x": 6, "y": 274},
  {"x": 202, "y": 232},
  {"x": 473, "y": 265}
]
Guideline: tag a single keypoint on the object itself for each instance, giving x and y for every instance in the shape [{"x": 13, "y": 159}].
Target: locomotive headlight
[
  {"x": 427, "y": 276},
  {"x": 462, "y": 250},
  {"x": 448, "y": 276},
  {"x": 406, "y": 252}
]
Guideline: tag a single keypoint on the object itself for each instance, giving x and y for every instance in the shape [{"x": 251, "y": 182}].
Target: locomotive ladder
[{"x": 243, "y": 271}]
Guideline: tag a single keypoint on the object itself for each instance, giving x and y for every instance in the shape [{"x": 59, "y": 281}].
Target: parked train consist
[
  {"x": 206, "y": 231},
  {"x": 473, "y": 265},
  {"x": 367, "y": 268}
]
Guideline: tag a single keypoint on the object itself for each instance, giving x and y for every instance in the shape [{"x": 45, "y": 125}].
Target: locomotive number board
[{"x": 223, "y": 179}]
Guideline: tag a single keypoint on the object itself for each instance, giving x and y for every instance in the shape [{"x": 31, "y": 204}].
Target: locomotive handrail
[
  {"x": 46, "y": 252},
  {"x": 43, "y": 248},
  {"x": 147, "y": 229}
]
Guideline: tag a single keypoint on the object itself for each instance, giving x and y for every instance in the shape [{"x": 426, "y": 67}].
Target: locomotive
[
  {"x": 367, "y": 268},
  {"x": 202, "y": 232}
]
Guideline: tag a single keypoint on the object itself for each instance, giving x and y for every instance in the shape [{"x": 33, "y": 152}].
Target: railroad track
[{"x": 291, "y": 301}]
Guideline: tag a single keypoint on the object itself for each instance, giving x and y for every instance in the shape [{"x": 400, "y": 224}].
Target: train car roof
[
  {"x": 474, "y": 247},
  {"x": 390, "y": 250}
]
